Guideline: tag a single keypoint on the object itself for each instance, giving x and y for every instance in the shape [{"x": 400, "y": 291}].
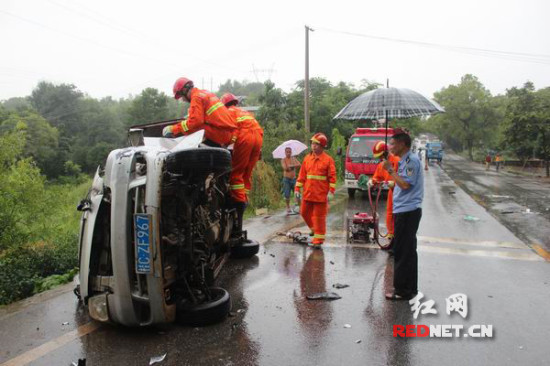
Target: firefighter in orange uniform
[
  {"x": 206, "y": 112},
  {"x": 318, "y": 179},
  {"x": 380, "y": 150},
  {"x": 247, "y": 149}
]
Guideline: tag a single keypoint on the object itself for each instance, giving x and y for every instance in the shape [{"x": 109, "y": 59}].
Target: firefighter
[
  {"x": 318, "y": 179},
  {"x": 247, "y": 149},
  {"x": 206, "y": 112},
  {"x": 380, "y": 151},
  {"x": 246, "y": 154}
]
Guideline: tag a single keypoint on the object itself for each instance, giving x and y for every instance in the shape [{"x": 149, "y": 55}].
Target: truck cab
[{"x": 359, "y": 157}]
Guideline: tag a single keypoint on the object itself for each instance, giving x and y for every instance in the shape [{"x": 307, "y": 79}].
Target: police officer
[{"x": 407, "y": 202}]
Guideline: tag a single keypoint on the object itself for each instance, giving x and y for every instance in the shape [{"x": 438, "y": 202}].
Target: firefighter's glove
[
  {"x": 391, "y": 184},
  {"x": 298, "y": 195},
  {"x": 330, "y": 196},
  {"x": 167, "y": 132},
  {"x": 370, "y": 183}
]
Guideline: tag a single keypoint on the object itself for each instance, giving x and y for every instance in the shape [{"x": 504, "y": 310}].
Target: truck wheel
[
  {"x": 209, "y": 312},
  {"x": 351, "y": 192},
  {"x": 247, "y": 249},
  {"x": 203, "y": 160}
]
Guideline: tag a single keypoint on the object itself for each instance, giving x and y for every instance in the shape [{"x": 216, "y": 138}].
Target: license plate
[{"x": 142, "y": 225}]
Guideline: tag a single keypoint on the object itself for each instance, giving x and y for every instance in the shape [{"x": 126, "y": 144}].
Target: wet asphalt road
[
  {"x": 521, "y": 203},
  {"x": 507, "y": 284}
]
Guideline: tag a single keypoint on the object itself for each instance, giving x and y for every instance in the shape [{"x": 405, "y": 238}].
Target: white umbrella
[{"x": 296, "y": 146}]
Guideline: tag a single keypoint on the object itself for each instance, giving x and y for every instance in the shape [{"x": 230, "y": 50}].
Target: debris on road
[
  {"x": 65, "y": 323},
  {"x": 497, "y": 196},
  {"x": 80, "y": 362},
  {"x": 296, "y": 236},
  {"x": 507, "y": 212},
  {"x": 347, "y": 326},
  {"x": 157, "y": 359},
  {"x": 340, "y": 285},
  {"x": 358, "y": 341},
  {"x": 471, "y": 218},
  {"x": 331, "y": 262},
  {"x": 324, "y": 296},
  {"x": 273, "y": 255},
  {"x": 452, "y": 192}
]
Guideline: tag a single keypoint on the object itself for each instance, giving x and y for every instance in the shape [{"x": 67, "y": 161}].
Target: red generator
[{"x": 359, "y": 228}]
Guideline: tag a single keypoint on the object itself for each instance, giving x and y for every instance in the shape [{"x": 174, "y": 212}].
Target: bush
[{"x": 266, "y": 187}]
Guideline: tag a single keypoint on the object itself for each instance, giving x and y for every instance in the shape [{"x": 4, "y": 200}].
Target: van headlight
[
  {"x": 97, "y": 306},
  {"x": 349, "y": 175}
]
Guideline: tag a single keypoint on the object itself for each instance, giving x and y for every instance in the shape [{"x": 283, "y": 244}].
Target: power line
[{"x": 508, "y": 55}]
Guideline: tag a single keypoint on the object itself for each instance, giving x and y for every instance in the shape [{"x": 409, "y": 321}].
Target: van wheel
[
  {"x": 203, "y": 160},
  {"x": 247, "y": 249},
  {"x": 209, "y": 312},
  {"x": 351, "y": 192}
]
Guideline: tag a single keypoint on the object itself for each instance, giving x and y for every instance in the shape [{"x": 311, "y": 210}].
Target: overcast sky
[{"x": 117, "y": 48}]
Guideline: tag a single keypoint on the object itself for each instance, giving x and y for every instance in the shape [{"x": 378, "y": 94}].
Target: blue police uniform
[
  {"x": 410, "y": 169},
  {"x": 407, "y": 212}
]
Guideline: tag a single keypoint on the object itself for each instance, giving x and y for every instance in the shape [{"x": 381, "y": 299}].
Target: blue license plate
[{"x": 142, "y": 225}]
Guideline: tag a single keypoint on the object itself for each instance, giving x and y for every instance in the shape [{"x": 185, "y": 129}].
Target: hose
[{"x": 374, "y": 209}]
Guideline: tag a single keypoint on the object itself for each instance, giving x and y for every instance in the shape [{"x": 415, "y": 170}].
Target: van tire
[
  {"x": 247, "y": 249},
  {"x": 209, "y": 312},
  {"x": 202, "y": 160}
]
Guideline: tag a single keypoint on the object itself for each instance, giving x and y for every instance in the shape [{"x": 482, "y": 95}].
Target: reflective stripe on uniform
[
  {"x": 299, "y": 184},
  {"x": 317, "y": 177},
  {"x": 244, "y": 118},
  {"x": 235, "y": 187},
  {"x": 213, "y": 108},
  {"x": 332, "y": 185},
  {"x": 318, "y": 236},
  {"x": 184, "y": 125}
]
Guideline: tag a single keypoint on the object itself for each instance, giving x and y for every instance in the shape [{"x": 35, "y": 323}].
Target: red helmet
[
  {"x": 181, "y": 87},
  {"x": 379, "y": 149},
  {"x": 228, "y": 98},
  {"x": 320, "y": 138}
]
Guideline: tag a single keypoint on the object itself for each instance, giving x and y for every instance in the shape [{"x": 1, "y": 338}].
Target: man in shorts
[{"x": 289, "y": 164}]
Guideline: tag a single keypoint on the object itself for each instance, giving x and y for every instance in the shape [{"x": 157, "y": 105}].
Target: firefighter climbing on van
[
  {"x": 246, "y": 152},
  {"x": 317, "y": 178},
  {"x": 207, "y": 112},
  {"x": 380, "y": 151}
]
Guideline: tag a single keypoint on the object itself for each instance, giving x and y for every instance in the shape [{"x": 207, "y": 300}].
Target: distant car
[{"x": 434, "y": 151}]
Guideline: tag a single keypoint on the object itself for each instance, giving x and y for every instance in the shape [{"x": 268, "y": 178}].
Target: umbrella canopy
[
  {"x": 389, "y": 103},
  {"x": 296, "y": 146}
]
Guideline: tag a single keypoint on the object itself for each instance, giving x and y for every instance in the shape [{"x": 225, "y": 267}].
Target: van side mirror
[
  {"x": 135, "y": 137},
  {"x": 339, "y": 151}
]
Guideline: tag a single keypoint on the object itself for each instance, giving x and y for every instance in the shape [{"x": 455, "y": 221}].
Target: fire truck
[{"x": 359, "y": 159}]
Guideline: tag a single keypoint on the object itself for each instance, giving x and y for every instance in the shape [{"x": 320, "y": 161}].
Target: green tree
[
  {"x": 41, "y": 140},
  {"x": 150, "y": 106},
  {"x": 527, "y": 130},
  {"x": 469, "y": 115}
]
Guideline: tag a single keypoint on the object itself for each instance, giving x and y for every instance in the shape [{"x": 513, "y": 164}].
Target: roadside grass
[{"x": 49, "y": 256}]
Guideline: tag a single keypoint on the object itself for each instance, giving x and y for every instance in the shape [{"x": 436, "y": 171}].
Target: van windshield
[{"x": 361, "y": 146}]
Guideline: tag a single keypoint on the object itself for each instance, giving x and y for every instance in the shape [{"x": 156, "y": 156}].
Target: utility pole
[{"x": 306, "y": 82}]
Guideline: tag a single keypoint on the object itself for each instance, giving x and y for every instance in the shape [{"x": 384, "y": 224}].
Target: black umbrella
[{"x": 389, "y": 103}]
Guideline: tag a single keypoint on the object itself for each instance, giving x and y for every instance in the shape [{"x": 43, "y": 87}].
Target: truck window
[{"x": 361, "y": 146}]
